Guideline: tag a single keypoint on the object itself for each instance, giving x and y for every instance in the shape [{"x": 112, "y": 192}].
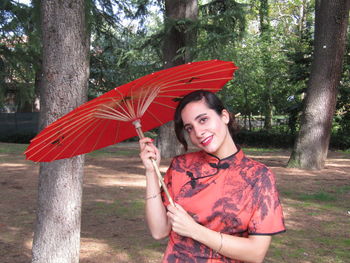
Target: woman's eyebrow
[
  {"x": 197, "y": 117},
  {"x": 200, "y": 115}
]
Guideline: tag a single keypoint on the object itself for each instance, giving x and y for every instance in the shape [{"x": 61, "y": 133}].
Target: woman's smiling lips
[{"x": 207, "y": 140}]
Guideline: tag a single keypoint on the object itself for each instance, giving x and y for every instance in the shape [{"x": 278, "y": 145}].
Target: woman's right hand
[{"x": 148, "y": 151}]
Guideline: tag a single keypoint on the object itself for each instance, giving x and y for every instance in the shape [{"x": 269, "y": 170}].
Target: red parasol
[{"x": 110, "y": 118}]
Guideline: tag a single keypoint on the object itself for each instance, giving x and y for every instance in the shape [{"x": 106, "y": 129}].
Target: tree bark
[
  {"x": 311, "y": 146},
  {"x": 64, "y": 87},
  {"x": 177, "y": 38}
]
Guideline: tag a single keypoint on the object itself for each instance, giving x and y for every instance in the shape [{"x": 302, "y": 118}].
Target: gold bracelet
[
  {"x": 221, "y": 238},
  {"x": 153, "y": 196}
]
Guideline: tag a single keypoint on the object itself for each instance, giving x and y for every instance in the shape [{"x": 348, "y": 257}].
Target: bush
[
  {"x": 17, "y": 137},
  {"x": 281, "y": 140},
  {"x": 340, "y": 141},
  {"x": 265, "y": 139}
]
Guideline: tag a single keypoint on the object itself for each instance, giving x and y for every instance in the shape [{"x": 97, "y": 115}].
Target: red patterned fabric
[{"x": 235, "y": 196}]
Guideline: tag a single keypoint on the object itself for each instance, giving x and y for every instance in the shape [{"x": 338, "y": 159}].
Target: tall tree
[
  {"x": 179, "y": 15},
  {"x": 265, "y": 36},
  {"x": 64, "y": 86},
  {"x": 311, "y": 146}
]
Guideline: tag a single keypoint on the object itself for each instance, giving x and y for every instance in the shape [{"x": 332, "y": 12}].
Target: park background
[{"x": 272, "y": 42}]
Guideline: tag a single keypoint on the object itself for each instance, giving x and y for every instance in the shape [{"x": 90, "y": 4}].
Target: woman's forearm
[
  {"x": 251, "y": 249},
  {"x": 156, "y": 217}
]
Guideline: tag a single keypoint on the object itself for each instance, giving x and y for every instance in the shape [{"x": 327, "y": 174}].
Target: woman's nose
[{"x": 198, "y": 131}]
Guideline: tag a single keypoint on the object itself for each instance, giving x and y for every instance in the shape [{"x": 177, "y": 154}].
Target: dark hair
[{"x": 212, "y": 101}]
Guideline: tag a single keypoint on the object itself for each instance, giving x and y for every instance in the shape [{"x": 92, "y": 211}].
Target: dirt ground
[{"x": 113, "y": 227}]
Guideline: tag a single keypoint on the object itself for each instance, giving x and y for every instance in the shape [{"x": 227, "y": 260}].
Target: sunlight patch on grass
[
  {"x": 13, "y": 165},
  {"x": 91, "y": 247}
]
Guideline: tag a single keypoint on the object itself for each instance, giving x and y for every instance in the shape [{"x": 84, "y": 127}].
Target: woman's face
[{"x": 206, "y": 129}]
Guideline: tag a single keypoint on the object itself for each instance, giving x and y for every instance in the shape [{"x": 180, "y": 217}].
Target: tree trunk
[
  {"x": 64, "y": 87},
  {"x": 268, "y": 108},
  {"x": 176, "y": 39},
  {"x": 265, "y": 36},
  {"x": 311, "y": 146}
]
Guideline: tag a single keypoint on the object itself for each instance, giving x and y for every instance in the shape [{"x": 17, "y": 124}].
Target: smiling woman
[
  {"x": 226, "y": 205},
  {"x": 207, "y": 123}
]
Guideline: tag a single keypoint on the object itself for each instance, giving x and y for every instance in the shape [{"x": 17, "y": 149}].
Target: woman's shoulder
[
  {"x": 189, "y": 156},
  {"x": 257, "y": 168}
]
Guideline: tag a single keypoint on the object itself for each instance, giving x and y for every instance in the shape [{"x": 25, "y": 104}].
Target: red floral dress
[{"x": 235, "y": 196}]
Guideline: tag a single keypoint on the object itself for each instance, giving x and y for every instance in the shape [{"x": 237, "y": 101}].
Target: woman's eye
[
  {"x": 188, "y": 129},
  {"x": 202, "y": 120}
]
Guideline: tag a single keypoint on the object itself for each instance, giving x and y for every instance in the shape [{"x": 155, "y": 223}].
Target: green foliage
[
  {"x": 220, "y": 25},
  {"x": 19, "y": 51},
  {"x": 342, "y": 114},
  {"x": 270, "y": 41}
]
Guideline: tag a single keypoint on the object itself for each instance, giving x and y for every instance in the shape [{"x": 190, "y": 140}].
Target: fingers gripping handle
[
  {"x": 160, "y": 178},
  {"x": 139, "y": 131}
]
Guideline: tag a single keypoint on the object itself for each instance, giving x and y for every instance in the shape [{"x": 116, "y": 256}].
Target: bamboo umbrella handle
[{"x": 154, "y": 163}]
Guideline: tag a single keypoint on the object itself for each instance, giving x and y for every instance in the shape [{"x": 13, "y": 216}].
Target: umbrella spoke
[
  {"x": 155, "y": 117},
  {"x": 149, "y": 99},
  {"x": 53, "y": 135},
  {"x": 190, "y": 74},
  {"x": 117, "y": 132},
  {"x": 51, "y": 146},
  {"x": 131, "y": 113},
  {"x": 71, "y": 118},
  {"x": 185, "y": 88},
  {"x": 165, "y": 105},
  {"x": 101, "y": 133},
  {"x": 92, "y": 124},
  {"x": 112, "y": 115}
]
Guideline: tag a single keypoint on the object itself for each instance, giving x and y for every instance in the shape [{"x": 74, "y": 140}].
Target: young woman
[{"x": 226, "y": 205}]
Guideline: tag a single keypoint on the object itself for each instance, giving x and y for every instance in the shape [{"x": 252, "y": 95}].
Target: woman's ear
[{"x": 225, "y": 116}]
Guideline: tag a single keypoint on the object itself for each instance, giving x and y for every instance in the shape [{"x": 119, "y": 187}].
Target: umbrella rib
[
  {"x": 165, "y": 105},
  {"x": 149, "y": 100},
  {"x": 86, "y": 137},
  {"x": 71, "y": 117},
  {"x": 154, "y": 116},
  {"x": 64, "y": 139},
  {"x": 125, "y": 103},
  {"x": 171, "y": 85},
  {"x": 59, "y": 129},
  {"x": 184, "y": 74},
  {"x": 100, "y": 135},
  {"x": 117, "y": 133},
  {"x": 143, "y": 99},
  {"x": 167, "y": 88},
  {"x": 104, "y": 114},
  {"x": 124, "y": 115},
  {"x": 111, "y": 117},
  {"x": 190, "y": 74}
]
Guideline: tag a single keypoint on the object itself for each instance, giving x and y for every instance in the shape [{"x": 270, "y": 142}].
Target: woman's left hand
[{"x": 182, "y": 223}]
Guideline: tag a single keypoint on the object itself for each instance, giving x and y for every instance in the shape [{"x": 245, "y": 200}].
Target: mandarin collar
[{"x": 233, "y": 158}]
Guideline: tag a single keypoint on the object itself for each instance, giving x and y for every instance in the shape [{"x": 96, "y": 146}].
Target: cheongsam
[{"x": 235, "y": 196}]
